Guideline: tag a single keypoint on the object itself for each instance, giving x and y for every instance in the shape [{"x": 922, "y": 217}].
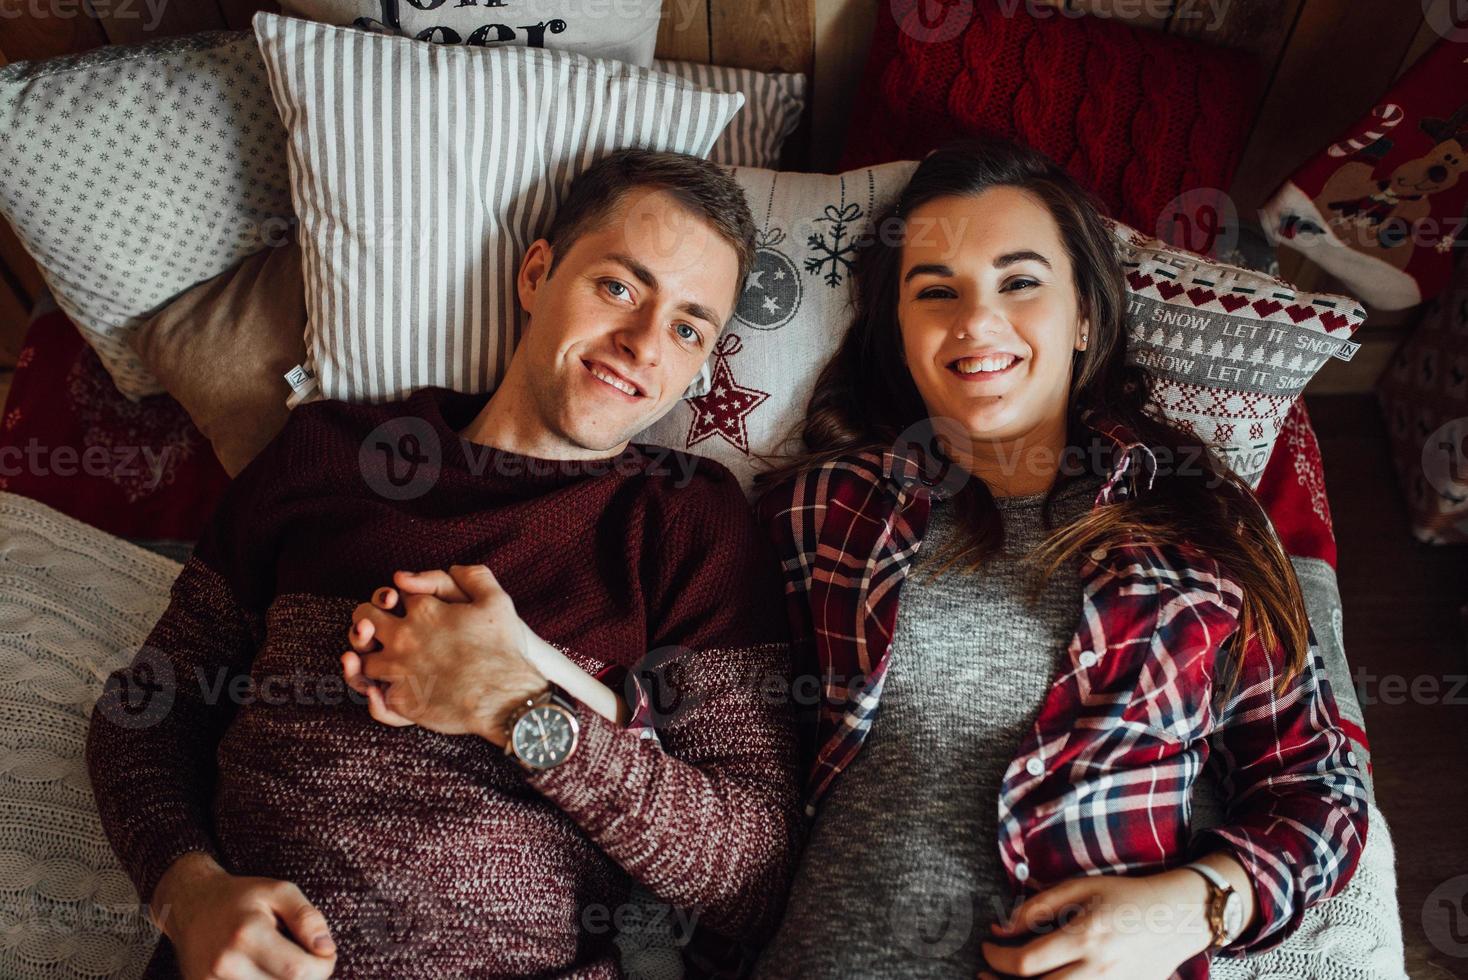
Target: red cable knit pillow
[{"x": 1138, "y": 116}]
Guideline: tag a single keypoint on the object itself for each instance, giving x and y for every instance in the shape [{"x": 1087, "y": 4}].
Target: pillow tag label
[
  {"x": 303, "y": 385},
  {"x": 1346, "y": 350}
]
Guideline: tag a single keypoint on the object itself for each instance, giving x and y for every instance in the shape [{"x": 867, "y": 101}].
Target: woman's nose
[{"x": 977, "y": 320}]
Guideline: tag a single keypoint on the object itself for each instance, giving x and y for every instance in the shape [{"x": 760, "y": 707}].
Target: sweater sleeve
[
  {"x": 153, "y": 733},
  {"x": 1296, "y": 811},
  {"x": 708, "y": 819}
]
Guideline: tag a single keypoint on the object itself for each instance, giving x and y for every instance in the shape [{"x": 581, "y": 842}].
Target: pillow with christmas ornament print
[{"x": 1230, "y": 349}]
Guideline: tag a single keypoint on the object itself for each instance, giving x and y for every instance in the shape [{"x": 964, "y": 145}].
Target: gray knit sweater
[{"x": 901, "y": 874}]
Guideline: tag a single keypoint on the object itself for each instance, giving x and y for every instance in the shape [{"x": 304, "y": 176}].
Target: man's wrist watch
[
  {"x": 1225, "y": 906},
  {"x": 543, "y": 731}
]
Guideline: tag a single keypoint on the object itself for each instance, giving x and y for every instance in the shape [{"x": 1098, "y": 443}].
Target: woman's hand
[{"x": 1100, "y": 926}]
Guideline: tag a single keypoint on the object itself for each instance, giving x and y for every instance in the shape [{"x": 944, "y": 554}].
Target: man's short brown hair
[{"x": 707, "y": 190}]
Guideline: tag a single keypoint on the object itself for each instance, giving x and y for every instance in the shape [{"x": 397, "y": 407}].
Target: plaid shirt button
[
  {"x": 1021, "y": 871},
  {"x": 1088, "y": 658},
  {"x": 1034, "y": 767},
  {"x": 1099, "y": 554}
]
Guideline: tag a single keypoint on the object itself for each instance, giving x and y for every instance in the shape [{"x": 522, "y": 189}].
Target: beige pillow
[{"x": 223, "y": 347}]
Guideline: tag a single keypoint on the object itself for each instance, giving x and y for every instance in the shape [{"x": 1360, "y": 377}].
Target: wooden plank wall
[{"x": 1324, "y": 63}]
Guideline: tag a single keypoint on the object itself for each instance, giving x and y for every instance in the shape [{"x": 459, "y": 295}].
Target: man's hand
[
  {"x": 225, "y": 927},
  {"x": 452, "y": 661}
]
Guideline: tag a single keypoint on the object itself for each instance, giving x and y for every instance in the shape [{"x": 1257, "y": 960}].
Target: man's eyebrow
[
  {"x": 645, "y": 276},
  {"x": 1000, "y": 262}
]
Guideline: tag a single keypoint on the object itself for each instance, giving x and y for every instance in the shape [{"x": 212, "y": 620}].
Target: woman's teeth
[{"x": 975, "y": 365}]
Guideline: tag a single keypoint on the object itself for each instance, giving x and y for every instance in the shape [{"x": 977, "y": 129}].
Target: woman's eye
[
  {"x": 935, "y": 292},
  {"x": 1014, "y": 285}
]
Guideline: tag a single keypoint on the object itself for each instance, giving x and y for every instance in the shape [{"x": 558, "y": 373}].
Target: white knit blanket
[{"x": 75, "y": 603}]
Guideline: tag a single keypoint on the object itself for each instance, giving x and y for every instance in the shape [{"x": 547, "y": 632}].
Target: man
[{"x": 282, "y": 827}]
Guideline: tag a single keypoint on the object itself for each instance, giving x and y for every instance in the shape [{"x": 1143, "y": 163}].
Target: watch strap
[{"x": 1219, "y": 890}]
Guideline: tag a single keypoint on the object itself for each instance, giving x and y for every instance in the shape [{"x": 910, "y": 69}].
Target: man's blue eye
[
  {"x": 692, "y": 334},
  {"x": 614, "y": 284}
]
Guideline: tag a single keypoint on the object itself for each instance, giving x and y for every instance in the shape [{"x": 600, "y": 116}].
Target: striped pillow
[
  {"x": 422, "y": 172},
  {"x": 773, "y": 104},
  {"x": 626, "y": 30}
]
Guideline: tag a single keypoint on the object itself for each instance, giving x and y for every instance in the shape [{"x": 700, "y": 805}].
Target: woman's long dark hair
[{"x": 865, "y": 400}]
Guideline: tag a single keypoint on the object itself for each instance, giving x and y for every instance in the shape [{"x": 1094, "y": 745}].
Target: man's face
[{"x": 621, "y": 326}]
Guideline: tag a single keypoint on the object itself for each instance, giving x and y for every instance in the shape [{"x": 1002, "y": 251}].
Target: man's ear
[{"x": 534, "y": 270}]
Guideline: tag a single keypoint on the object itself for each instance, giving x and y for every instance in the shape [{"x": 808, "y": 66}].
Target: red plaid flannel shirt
[{"x": 1102, "y": 782}]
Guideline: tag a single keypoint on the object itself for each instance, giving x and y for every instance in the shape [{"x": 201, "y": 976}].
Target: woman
[{"x": 1036, "y": 612}]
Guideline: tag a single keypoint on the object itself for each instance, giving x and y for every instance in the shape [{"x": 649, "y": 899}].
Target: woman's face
[{"x": 989, "y": 314}]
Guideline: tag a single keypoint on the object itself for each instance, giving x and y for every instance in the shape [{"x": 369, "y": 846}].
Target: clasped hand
[{"x": 442, "y": 650}]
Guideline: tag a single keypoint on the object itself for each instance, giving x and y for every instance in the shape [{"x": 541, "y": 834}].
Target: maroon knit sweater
[{"x": 432, "y": 855}]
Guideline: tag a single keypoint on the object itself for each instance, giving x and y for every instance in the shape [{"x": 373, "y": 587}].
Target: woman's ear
[{"x": 1083, "y": 339}]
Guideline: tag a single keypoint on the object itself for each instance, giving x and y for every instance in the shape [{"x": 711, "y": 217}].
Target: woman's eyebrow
[
  {"x": 1000, "y": 262},
  {"x": 1010, "y": 258},
  {"x": 927, "y": 269}
]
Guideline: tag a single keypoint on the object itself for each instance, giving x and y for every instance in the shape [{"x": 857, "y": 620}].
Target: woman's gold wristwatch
[{"x": 1225, "y": 906}]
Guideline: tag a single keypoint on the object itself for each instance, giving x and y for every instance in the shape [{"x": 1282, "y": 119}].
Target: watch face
[
  {"x": 544, "y": 736},
  {"x": 1233, "y": 915}
]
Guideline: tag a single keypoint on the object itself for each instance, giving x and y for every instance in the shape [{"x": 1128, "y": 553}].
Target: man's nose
[{"x": 639, "y": 338}]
